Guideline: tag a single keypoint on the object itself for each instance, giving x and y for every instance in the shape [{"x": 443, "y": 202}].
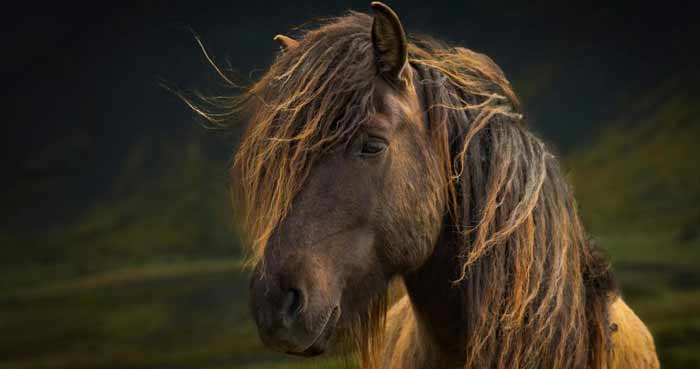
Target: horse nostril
[{"x": 291, "y": 305}]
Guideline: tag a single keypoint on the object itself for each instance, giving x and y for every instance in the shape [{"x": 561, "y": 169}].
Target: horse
[{"x": 374, "y": 162}]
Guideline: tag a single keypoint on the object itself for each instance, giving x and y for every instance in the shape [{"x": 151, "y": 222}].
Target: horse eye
[{"x": 372, "y": 147}]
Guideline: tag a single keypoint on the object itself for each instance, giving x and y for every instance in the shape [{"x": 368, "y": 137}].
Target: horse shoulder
[{"x": 632, "y": 344}]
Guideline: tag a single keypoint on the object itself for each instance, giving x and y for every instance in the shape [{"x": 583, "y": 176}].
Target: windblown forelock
[{"x": 311, "y": 101}]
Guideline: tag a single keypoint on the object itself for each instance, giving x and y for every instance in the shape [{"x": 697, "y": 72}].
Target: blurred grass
[
  {"x": 176, "y": 316},
  {"x": 148, "y": 276},
  {"x": 639, "y": 192}
]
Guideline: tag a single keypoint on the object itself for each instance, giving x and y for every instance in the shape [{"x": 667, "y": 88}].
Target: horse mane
[{"x": 535, "y": 288}]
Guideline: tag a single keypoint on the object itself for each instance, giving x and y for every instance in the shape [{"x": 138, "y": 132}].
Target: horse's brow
[
  {"x": 396, "y": 107},
  {"x": 381, "y": 121}
]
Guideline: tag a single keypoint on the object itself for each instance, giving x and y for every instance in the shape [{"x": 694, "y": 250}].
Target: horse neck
[{"x": 439, "y": 307}]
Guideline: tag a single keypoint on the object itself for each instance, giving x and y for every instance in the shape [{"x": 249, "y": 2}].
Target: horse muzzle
[{"x": 292, "y": 309}]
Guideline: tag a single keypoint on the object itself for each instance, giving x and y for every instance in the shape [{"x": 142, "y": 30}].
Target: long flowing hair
[{"x": 535, "y": 289}]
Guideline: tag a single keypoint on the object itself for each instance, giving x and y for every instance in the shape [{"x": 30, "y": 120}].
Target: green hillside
[
  {"x": 168, "y": 202},
  {"x": 639, "y": 192}
]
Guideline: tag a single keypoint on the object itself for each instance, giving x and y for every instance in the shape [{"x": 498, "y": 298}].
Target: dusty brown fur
[
  {"x": 631, "y": 344},
  {"x": 534, "y": 291}
]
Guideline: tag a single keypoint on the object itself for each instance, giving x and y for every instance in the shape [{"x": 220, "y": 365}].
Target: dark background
[{"x": 117, "y": 244}]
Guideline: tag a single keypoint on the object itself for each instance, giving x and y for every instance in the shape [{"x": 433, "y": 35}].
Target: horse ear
[
  {"x": 287, "y": 43},
  {"x": 389, "y": 41}
]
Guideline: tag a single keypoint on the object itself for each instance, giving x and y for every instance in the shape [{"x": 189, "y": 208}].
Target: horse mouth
[{"x": 320, "y": 344}]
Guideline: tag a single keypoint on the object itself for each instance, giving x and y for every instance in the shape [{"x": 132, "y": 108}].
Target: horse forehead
[{"x": 397, "y": 106}]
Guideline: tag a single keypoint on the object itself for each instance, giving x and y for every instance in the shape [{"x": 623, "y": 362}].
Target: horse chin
[{"x": 322, "y": 342}]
